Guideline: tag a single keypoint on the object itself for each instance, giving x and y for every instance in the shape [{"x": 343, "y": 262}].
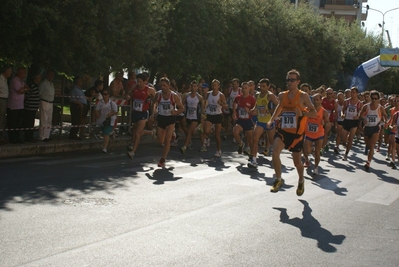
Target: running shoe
[
  {"x": 266, "y": 152},
  {"x": 161, "y": 163},
  {"x": 130, "y": 147},
  {"x": 366, "y": 151},
  {"x": 336, "y": 150},
  {"x": 387, "y": 157},
  {"x": 203, "y": 149},
  {"x": 326, "y": 148},
  {"x": 306, "y": 164},
  {"x": 174, "y": 143},
  {"x": 240, "y": 148},
  {"x": 262, "y": 143},
  {"x": 105, "y": 150},
  {"x": 183, "y": 150},
  {"x": 301, "y": 188},
  {"x": 208, "y": 141},
  {"x": 392, "y": 164},
  {"x": 367, "y": 167},
  {"x": 345, "y": 157},
  {"x": 218, "y": 154},
  {"x": 252, "y": 164},
  {"x": 130, "y": 154},
  {"x": 247, "y": 151},
  {"x": 321, "y": 152},
  {"x": 276, "y": 185},
  {"x": 316, "y": 171}
]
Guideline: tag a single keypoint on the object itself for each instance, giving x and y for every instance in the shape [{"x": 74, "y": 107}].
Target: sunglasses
[{"x": 291, "y": 80}]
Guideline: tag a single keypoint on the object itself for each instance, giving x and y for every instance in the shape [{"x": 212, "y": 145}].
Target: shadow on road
[
  {"x": 252, "y": 173},
  {"x": 54, "y": 186},
  {"x": 311, "y": 228},
  {"x": 160, "y": 176}
]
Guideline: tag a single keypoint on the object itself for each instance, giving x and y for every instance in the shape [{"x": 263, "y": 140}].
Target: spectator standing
[
  {"x": 78, "y": 108},
  {"x": 106, "y": 108},
  {"x": 93, "y": 95},
  {"x": 31, "y": 105},
  {"x": 46, "y": 95},
  {"x": 15, "y": 106},
  {"x": 117, "y": 88},
  {"x": 6, "y": 72}
]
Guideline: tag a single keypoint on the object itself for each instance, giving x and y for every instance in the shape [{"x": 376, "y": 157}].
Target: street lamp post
[{"x": 383, "y": 17}]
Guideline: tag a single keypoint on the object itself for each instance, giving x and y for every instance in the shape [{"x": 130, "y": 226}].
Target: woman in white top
[
  {"x": 214, "y": 102},
  {"x": 106, "y": 111},
  {"x": 372, "y": 114}
]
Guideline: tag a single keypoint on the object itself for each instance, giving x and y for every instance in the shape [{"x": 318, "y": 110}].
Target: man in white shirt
[
  {"x": 46, "y": 93},
  {"x": 6, "y": 72}
]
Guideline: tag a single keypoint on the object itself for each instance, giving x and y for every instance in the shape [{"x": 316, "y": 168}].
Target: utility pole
[
  {"x": 359, "y": 12},
  {"x": 389, "y": 39}
]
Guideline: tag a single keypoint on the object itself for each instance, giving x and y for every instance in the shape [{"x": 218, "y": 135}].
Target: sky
[{"x": 391, "y": 19}]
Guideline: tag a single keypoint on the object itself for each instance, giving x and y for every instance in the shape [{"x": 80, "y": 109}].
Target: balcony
[{"x": 341, "y": 8}]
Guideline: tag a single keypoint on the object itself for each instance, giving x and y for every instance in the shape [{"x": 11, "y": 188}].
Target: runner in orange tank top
[
  {"x": 315, "y": 132},
  {"x": 294, "y": 108}
]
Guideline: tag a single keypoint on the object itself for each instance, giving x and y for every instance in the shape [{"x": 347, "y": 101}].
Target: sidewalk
[{"x": 63, "y": 144}]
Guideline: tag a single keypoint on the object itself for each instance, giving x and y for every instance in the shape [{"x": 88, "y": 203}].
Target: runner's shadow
[
  {"x": 330, "y": 184},
  {"x": 253, "y": 173},
  {"x": 160, "y": 176},
  {"x": 340, "y": 164},
  {"x": 216, "y": 163},
  {"x": 311, "y": 228}
]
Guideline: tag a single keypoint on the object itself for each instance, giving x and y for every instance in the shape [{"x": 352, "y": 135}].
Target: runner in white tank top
[
  {"x": 215, "y": 101},
  {"x": 372, "y": 113}
]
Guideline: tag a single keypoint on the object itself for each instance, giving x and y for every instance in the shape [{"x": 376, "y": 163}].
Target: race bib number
[
  {"x": 262, "y": 111},
  {"x": 165, "y": 107},
  {"x": 288, "y": 120},
  {"x": 191, "y": 111},
  {"x": 212, "y": 108},
  {"x": 138, "y": 105},
  {"x": 351, "y": 109},
  {"x": 371, "y": 119},
  {"x": 242, "y": 113},
  {"x": 313, "y": 128}
]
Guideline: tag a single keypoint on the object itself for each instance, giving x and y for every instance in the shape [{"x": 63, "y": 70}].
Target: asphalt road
[{"x": 93, "y": 209}]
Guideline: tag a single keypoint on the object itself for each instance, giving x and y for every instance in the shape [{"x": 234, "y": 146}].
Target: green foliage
[{"x": 222, "y": 39}]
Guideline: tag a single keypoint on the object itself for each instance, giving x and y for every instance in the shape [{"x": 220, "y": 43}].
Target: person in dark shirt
[{"x": 31, "y": 105}]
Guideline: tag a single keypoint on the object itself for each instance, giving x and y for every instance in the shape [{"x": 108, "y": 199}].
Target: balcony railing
[{"x": 337, "y": 2}]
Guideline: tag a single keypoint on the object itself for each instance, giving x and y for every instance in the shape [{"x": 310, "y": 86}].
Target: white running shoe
[
  {"x": 218, "y": 154},
  {"x": 316, "y": 171},
  {"x": 105, "y": 150},
  {"x": 208, "y": 141},
  {"x": 130, "y": 147},
  {"x": 130, "y": 154}
]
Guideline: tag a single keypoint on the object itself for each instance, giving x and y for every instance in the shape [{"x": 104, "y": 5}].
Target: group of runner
[{"x": 299, "y": 119}]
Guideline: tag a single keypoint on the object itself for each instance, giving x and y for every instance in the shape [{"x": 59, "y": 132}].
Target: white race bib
[
  {"x": 288, "y": 120},
  {"x": 313, "y": 128},
  {"x": 138, "y": 105}
]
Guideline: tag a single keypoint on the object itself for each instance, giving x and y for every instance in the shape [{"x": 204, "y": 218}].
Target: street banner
[
  {"x": 365, "y": 71},
  {"x": 389, "y": 57}
]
